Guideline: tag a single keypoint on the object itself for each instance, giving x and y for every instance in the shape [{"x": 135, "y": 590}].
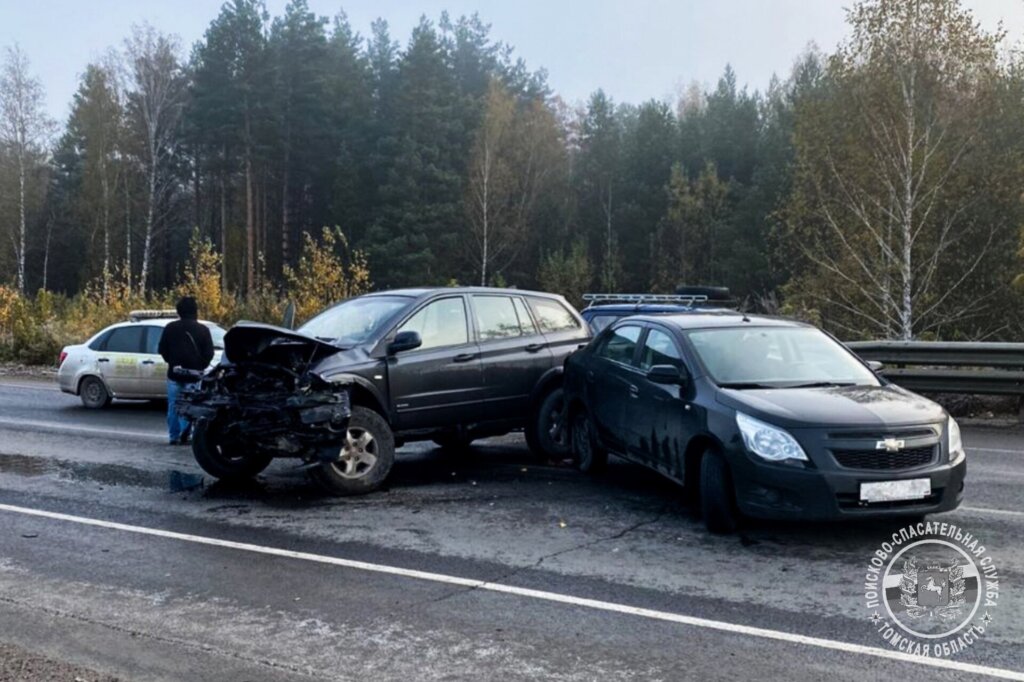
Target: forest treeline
[{"x": 876, "y": 189}]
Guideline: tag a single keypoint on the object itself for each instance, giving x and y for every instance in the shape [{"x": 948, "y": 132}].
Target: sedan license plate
[{"x": 895, "y": 491}]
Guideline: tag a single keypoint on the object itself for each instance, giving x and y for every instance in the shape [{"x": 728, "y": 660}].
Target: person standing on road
[{"x": 187, "y": 348}]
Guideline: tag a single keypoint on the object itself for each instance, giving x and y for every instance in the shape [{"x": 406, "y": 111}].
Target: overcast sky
[{"x": 634, "y": 49}]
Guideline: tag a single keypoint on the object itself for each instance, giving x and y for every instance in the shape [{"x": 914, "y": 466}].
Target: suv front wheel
[
  {"x": 546, "y": 433},
  {"x": 366, "y": 456}
]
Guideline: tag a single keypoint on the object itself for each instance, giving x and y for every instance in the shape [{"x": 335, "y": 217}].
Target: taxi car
[{"x": 121, "y": 361}]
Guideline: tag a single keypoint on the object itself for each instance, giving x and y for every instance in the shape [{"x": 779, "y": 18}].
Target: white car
[{"x": 122, "y": 360}]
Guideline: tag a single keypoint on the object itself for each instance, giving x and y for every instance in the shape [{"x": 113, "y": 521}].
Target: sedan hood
[
  {"x": 834, "y": 406},
  {"x": 253, "y": 341}
]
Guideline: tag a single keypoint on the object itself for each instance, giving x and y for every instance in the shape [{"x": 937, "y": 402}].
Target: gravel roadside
[{"x": 17, "y": 664}]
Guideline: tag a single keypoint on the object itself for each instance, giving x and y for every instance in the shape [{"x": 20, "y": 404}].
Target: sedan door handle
[
  {"x": 534, "y": 347},
  {"x": 148, "y": 362},
  {"x": 634, "y": 392},
  {"x": 590, "y": 376},
  {"x": 464, "y": 357},
  {"x": 103, "y": 360}
]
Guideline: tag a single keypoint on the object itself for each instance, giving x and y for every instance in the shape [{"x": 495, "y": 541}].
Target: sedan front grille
[{"x": 879, "y": 460}]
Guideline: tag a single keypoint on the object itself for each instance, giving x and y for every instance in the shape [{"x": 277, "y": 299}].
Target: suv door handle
[
  {"x": 103, "y": 360},
  {"x": 148, "y": 362},
  {"x": 464, "y": 357},
  {"x": 590, "y": 376},
  {"x": 634, "y": 392},
  {"x": 534, "y": 347}
]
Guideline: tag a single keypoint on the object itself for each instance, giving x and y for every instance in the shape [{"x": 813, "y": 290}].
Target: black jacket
[{"x": 185, "y": 343}]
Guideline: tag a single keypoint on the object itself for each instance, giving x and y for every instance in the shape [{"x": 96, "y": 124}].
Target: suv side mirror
[
  {"x": 405, "y": 341},
  {"x": 875, "y": 366},
  {"x": 666, "y": 374}
]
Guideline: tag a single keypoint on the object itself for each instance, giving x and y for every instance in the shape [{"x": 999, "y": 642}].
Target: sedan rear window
[
  {"x": 619, "y": 344},
  {"x": 125, "y": 340}
]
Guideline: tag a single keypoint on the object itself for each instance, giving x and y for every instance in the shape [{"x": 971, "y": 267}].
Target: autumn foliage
[{"x": 33, "y": 329}]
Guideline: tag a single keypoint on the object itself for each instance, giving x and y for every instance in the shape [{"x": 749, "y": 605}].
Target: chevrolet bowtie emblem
[{"x": 890, "y": 445}]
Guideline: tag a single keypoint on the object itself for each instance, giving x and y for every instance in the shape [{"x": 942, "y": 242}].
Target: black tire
[
  {"x": 355, "y": 475},
  {"x": 94, "y": 393},
  {"x": 590, "y": 457},
  {"x": 541, "y": 427},
  {"x": 222, "y": 459},
  {"x": 717, "y": 497}
]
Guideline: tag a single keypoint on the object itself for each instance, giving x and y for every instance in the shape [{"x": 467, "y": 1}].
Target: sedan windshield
[
  {"x": 777, "y": 357},
  {"x": 355, "y": 321}
]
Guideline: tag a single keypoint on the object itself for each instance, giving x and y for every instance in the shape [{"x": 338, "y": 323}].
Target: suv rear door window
[
  {"x": 496, "y": 317},
  {"x": 525, "y": 321},
  {"x": 552, "y": 315},
  {"x": 440, "y": 323},
  {"x": 125, "y": 340},
  {"x": 619, "y": 345}
]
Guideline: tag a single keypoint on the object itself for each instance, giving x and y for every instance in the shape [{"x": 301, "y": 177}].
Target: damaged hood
[{"x": 253, "y": 341}]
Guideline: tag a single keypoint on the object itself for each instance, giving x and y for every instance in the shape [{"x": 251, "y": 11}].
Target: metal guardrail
[{"x": 949, "y": 367}]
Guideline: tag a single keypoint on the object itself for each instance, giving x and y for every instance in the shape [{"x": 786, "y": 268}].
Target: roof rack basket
[
  {"x": 137, "y": 315},
  {"x": 686, "y": 299}
]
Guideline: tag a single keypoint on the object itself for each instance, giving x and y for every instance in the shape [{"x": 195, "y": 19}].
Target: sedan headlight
[
  {"x": 954, "y": 441},
  {"x": 767, "y": 441}
]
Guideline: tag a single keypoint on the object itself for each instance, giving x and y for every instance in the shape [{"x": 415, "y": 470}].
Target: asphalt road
[{"x": 117, "y": 557}]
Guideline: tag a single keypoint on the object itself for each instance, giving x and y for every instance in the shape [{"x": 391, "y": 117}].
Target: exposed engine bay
[{"x": 264, "y": 398}]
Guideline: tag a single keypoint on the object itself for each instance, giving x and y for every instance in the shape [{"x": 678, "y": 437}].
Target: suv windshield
[
  {"x": 356, "y": 320},
  {"x": 777, "y": 357}
]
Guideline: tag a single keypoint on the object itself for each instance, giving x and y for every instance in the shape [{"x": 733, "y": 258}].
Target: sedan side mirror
[
  {"x": 666, "y": 374},
  {"x": 405, "y": 341},
  {"x": 875, "y": 366}
]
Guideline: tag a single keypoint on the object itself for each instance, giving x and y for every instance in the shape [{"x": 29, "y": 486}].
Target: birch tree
[
  {"x": 24, "y": 132},
  {"x": 888, "y": 173},
  {"x": 490, "y": 181},
  {"x": 156, "y": 103}
]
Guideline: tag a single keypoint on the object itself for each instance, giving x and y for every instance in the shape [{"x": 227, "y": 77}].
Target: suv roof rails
[
  {"x": 136, "y": 315},
  {"x": 688, "y": 299}
]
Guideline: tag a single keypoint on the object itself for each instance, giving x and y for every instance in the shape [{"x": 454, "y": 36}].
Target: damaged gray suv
[{"x": 373, "y": 372}]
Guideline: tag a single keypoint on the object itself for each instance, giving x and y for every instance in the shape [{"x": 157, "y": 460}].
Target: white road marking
[
  {"x": 74, "y": 428},
  {"x": 998, "y": 451},
  {"x": 543, "y": 595},
  {"x": 31, "y": 385},
  {"x": 990, "y": 510}
]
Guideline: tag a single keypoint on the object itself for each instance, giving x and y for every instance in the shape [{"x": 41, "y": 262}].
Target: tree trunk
[
  {"x": 46, "y": 252},
  {"x": 105, "y": 185},
  {"x": 250, "y": 227},
  {"x": 21, "y": 219},
  {"x": 223, "y": 225},
  {"x": 906, "y": 264},
  {"x": 127, "y": 234},
  {"x": 148, "y": 240},
  {"x": 286, "y": 234},
  {"x": 486, "y": 216}
]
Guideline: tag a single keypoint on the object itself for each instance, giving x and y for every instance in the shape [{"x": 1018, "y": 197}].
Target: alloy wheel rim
[{"x": 358, "y": 454}]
